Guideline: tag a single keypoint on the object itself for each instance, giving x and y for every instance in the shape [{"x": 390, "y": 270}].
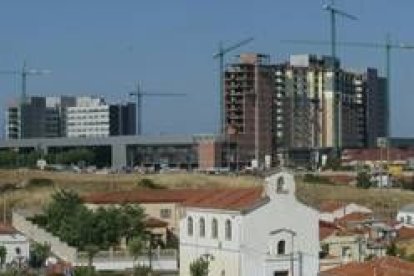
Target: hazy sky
[{"x": 102, "y": 47}]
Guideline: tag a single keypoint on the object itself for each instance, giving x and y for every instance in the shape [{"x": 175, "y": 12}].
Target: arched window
[
  {"x": 228, "y": 230},
  {"x": 190, "y": 226},
  {"x": 214, "y": 228},
  {"x": 202, "y": 227},
  {"x": 281, "y": 247},
  {"x": 280, "y": 185}
]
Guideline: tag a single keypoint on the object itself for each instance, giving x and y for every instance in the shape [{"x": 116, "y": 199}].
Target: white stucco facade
[
  {"x": 17, "y": 246},
  {"x": 277, "y": 235},
  {"x": 406, "y": 215}
]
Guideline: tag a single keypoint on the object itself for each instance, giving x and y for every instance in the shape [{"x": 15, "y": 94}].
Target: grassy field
[{"x": 385, "y": 201}]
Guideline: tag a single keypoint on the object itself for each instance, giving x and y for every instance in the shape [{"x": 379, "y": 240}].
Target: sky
[{"x": 104, "y": 47}]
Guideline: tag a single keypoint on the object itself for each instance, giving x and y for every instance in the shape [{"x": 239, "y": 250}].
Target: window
[
  {"x": 281, "y": 247},
  {"x": 214, "y": 228},
  {"x": 165, "y": 213},
  {"x": 281, "y": 273},
  {"x": 345, "y": 252},
  {"x": 190, "y": 226},
  {"x": 202, "y": 227},
  {"x": 228, "y": 230},
  {"x": 280, "y": 185}
]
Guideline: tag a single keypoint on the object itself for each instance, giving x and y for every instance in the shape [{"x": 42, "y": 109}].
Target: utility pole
[
  {"x": 220, "y": 55},
  {"x": 140, "y": 94},
  {"x": 335, "y": 94}
]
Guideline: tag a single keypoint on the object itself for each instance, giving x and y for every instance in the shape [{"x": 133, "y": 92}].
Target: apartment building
[
  {"x": 304, "y": 112},
  {"x": 248, "y": 95}
]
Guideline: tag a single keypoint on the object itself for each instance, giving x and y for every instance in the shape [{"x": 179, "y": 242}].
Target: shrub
[
  {"x": 143, "y": 271},
  {"x": 40, "y": 182},
  {"x": 149, "y": 183},
  {"x": 363, "y": 180},
  {"x": 200, "y": 266},
  {"x": 84, "y": 271},
  {"x": 317, "y": 179}
]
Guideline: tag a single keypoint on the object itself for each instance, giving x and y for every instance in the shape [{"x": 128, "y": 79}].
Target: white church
[{"x": 252, "y": 232}]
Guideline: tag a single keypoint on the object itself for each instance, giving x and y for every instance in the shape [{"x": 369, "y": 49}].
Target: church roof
[{"x": 220, "y": 198}]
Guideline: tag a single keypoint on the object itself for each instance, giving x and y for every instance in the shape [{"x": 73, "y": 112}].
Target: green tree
[
  {"x": 132, "y": 221},
  {"x": 392, "y": 250},
  {"x": 141, "y": 270},
  {"x": 136, "y": 247},
  {"x": 38, "y": 254},
  {"x": 84, "y": 271},
  {"x": 200, "y": 267},
  {"x": 91, "y": 250},
  {"x": 3, "y": 254},
  {"x": 363, "y": 180}
]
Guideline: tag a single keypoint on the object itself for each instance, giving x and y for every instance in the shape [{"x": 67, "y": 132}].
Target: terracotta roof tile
[
  {"x": 329, "y": 206},
  {"x": 224, "y": 198},
  {"x": 326, "y": 229},
  {"x": 405, "y": 233},
  {"x": 375, "y": 154},
  {"x": 7, "y": 229},
  {"x": 353, "y": 217},
  {"x": 385, "y": 266}
]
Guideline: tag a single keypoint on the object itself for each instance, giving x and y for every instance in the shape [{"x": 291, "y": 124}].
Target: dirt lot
[{"x": 385, "y": 201}]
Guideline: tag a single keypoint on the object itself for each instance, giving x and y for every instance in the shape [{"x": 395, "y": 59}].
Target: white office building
[
  {"x": 89, "y": 118},
  {"x": 248, "y": 233},
  {"x": 67, "y": 116}
]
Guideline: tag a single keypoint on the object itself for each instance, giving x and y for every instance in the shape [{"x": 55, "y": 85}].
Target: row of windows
[
  {"x": 87, "y": 110},
  {"x": 408, "y": 220},
  {"x": 87, "y": 123},
  {"x": 89, "y": 130},
  {"x": 213, "y": 228},
  {"x": 87, "y": 116}
]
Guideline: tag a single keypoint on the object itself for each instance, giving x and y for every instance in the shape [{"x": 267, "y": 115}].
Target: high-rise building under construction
[
  {"x": 294, "y": 104},
  {"x": 248, "y": 101}
]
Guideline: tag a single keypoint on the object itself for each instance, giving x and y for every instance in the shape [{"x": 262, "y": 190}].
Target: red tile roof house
[
  {"x": 360, "y": 234},
  {"x": 167, "y": 205},
  {"x": 331, "y": 210},
  {"x": 385, "y": 266},
  {"x": 373, "y": 157}
]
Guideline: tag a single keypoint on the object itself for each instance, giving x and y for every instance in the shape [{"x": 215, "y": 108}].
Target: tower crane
[
  {"x": 387, "y": 46},
  {"x": 140, "y": 94},
  {"x": 24, "y": 73},
  {"x": 333, "y": 11},
  {"x": 220, "y": 56}
]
